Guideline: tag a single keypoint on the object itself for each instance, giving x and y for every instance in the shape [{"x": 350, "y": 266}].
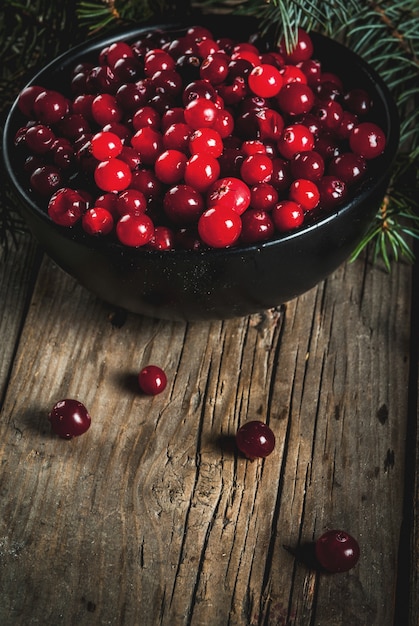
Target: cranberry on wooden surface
[
  {"x": 255, "y": 440},
  {"x": 152, "y": 380},
  {"x": 69, "y": 418},
  {"x": 337, "y": 551}
]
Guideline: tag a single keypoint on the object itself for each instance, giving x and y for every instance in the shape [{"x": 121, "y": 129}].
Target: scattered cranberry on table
[
  {"x": 184, "y": 132},
  {"x": 69, "y": 418},
  {"x": 152, "y": 380},
  {"x": 336, "y": 551},
  {"x": 255, "y": 440}
]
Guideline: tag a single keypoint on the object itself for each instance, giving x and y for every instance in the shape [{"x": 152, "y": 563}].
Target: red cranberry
[
  {"x": 219, "y": 227},
  {"x": 66, "y": 206},
  {"x": 255, "y": 440},
  {"x": 113, "y": 175},
  {"x": 229, "y": 192},
  {"x": 46, "y": 179},
  {"x": 368, "y": 140},
  {"x": 183, "y": 204},
  {"x": 257, "y": 225},
  {"x": 152, "y": 380},
  {"x": 69, "y": 418},
  {"x": 97, "y": 221},
  {"x": 287, "y": 215},
  {"x": 337, "y": 551},
  {"x": 134, "y": 229}
]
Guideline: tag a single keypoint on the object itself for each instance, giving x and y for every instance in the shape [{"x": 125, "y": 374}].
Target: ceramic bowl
[{"x": 215, "y": 283}]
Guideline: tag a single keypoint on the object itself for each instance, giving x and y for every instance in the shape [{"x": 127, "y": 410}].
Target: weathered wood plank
[
  {"x": 17, "y": 267},
  {"x": 151, "y": 517}
]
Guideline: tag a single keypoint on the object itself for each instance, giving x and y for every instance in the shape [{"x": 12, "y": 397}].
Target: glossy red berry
[
  {"x": 301, "y": 50},
  {"x": 257, "y": 225},
  {"x": 256, "y": 168},
  {"x": 97, "y": 221},
  {"x": 50, "y": 107},
  {"x": 295, "y": 138},
  {"x": 105, "y": 145},
  {"x": 200, "y": 113},
  {"x": 337, "y": 551},
  {"x": 69, "y": 418},
  {"x": 135, "y": 230},
  {"x": 287, "y": 215},
  {"x": 305, "y": 193},
  {"x": 66, "y": 206},
  {"x": 368, "y": 140},
  {"x": 219, "y": 227},
  {"x": 170, "y": 166},
  {"x": 295, "y": 98},
  {"x": 255, "y": 440},
  {"x": 201, "y": 171},
  {"x": 183, "y": 204},
  {"x": 229, "y": 192},
  {"x": 113, "y": 175},
  {"x": 265, "y": 80},
  {"x": 152, "y": 380}
]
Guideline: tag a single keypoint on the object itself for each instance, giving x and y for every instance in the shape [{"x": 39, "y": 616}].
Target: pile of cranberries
[{"x": 181, "y": 140}]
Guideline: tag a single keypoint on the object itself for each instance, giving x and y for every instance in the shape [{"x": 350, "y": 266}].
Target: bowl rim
[{"x": 367, "y": 188}]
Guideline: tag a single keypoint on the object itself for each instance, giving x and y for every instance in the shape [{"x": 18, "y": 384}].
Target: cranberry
[
  {"x": 134, "y": 229},
  {"x": 255, "y": 440},
  {"x": 105, "y": 109},
  {"x": 130, "y": 201},
  {"x": 229, "y": 192},
  {"x": 307, "y": 164},
  {"x": 333, "y": 191},
  {"x": 367, "y": 139},
  {"x": 214, "y": 68},
  {"x": 206, "y": 140},
  {"x": 264, "y": 196},
  {"x": 69, "y": 418},
  {"x": 146, "y": 116},
  {"x": 200, "y": 113},
  {"x": 257, "y": 225},
  {"x": 66, "y": 206},
  {"x": 295, "y": 138},
  {"x": 163, "y": 239},
  {"x": 337, "y": 551},
  {"x": 300, "y": 51},
  {"x": 287, "y": 215},
  {"x": 170, "y": 166},
  {"x": 46, "y": 179},
  {"x": 358, "y": 101},
  {"x": 97, "y": 221},
  {"x": 113, "y": 175},
  {"x": 152, "y": 380},
  {"x": 105, "y": 145},
  {"x": 305, "y": 193},
  {"x": 177, "y": 136},
  {"x": 183, "y": 204},
  {"x": 27, "y": 98},
  {"x": 256, "y": 168},
  {"x": 148, "y": 143},
  {"x": 39, "y": 138},
  {"x": 201, "y": 171},
  {"x": 219, "y": 227},
  {"x": 50, "y": 107},
  {"x": 348, "y": 167},
  {"x": 265, "y": 80},
  {"x": 296, "y": 98}
]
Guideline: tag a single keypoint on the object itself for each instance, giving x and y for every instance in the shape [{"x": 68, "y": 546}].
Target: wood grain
[{"x": 152, "y": 517}]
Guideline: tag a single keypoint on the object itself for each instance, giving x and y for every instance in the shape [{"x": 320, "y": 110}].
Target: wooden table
[{"x": 152, "y": 517}]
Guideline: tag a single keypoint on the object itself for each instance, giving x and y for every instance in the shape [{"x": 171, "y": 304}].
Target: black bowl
[{"x": 212, "y": 284}]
